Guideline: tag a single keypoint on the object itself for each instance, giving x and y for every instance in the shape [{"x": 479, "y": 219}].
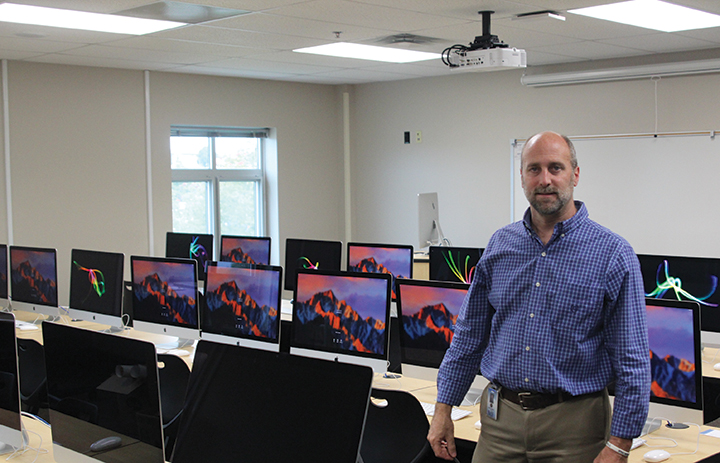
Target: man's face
[{"x": 548, "y": 177}]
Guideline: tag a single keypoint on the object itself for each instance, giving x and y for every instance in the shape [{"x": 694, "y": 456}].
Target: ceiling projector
[{"x": 485, "y": 53}]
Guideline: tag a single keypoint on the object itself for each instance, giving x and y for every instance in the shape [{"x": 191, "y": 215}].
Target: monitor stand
[
  {"x": 651, "y": 425},
  {"x": 472, "y": 397}
]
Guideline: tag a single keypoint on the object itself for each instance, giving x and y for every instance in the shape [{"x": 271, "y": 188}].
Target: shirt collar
[{"x": 566, "y": 226}]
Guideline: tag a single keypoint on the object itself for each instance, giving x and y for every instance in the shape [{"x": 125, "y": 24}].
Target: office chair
[
  {"x": 396, "y": 432},
  {"x": 174, "y": 375},
  {"x": 33, "y": 380}
]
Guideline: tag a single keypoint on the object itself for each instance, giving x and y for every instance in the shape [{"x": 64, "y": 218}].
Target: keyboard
[
  {"x": 456, "y": 413},
  {"x": 25, "y": 326}
]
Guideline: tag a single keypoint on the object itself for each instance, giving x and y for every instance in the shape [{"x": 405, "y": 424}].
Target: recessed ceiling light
[
  {"x": 71, "y": 19},
  {"x": 652, "y": 14},
  {"x": 369, "y": 52}
]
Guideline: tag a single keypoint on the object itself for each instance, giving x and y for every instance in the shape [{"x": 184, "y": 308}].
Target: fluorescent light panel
[
  {"x": 652, "y": 14},
  {"x": 369, "y": 52},
  {"x": 71, "y": 19}
]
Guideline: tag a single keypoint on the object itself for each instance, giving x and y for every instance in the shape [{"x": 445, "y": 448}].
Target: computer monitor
[
  {"x": 427, "y": 311},
  {"x": 429, "y": 231},
  {"x": 310, "y": 254},
  {"x": 688, "y": 279},
  {"x": 4, "y": 286},
  {"x": 342, "y": 316},
  {"x": 675, "y": 359},
  {"x": 242, "y": 305},
  {"x": 11, "y": 436},
  {"x": 451, "y": 263},
  {"x": 96, "y": 287},
  {"x": 33, "y": 280},
  {"x": 245, "y": 249},
  {"x": 165, "y": 294},
  {"x": 191, "y": 246},
  {"x": 394, "y": 259},
  {"x": 256, "y": 406},
  {"x": 102, "y": 385}
]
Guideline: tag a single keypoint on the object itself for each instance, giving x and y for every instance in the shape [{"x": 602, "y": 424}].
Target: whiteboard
[{"x": 661, "y": 193}]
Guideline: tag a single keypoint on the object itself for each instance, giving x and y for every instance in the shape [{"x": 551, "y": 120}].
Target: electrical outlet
[{"x": 418, "y": 137}]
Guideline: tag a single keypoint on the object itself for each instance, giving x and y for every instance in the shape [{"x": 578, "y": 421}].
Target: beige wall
[
  {"x": 78, "y": 158},
  {"x": 467, "y": 123}
]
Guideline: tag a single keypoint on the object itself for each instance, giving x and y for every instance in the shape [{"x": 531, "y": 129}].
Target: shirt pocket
[{"x": 576, "y": 312}]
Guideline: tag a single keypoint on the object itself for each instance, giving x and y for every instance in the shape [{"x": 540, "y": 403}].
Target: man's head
[{"x": 549, "y": 173}]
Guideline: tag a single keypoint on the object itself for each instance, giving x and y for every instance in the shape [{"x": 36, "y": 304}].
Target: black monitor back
[{"x": 256, "y": 406}]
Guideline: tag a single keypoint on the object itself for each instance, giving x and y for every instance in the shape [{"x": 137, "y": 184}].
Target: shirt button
[
  {"x": 532, "y": 315},
  {"x": 537, "y": 284},
  {"x": 527, "y": 348},
  {"x": 543, "y": 254},
  {"x": 527, "y": 380},
  {"x": 562, "y": 235}
]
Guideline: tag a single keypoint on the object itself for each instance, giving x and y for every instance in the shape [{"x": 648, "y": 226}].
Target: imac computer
[
  {"x": 449, "y": 263},
  {"x": 11, "y": 433},
  {"x": 396, "y": 260},
  {"x": 429, "y": 231},
  {"x": 101, "y": 386},
  {"x": 310, "y": 254},
  {"x": 33, "y": 280},
  {"x": 692, "y": 279},
  {"x": 190, "y": 246},
  {"x": 427, "y": 311},
  {"x": 96, "y": 287},
  {"x": 165, "y": 294},
  {"x": 256, "y": 406},
  {"x": 242, "y": 305},
  {"x": 675, "y": 360},
  {"x": 4, "y": 286},
  {"x": 342, "y": 316},
  {"x": 245, "y": 249}
]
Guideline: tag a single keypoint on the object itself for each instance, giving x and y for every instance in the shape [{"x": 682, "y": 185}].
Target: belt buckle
[{"x": 521, "y": 397}]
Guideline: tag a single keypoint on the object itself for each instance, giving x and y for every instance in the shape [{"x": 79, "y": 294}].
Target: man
[{"x": 555, "y": 313}]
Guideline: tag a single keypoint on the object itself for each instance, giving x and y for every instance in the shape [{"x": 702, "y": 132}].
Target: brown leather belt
[{"x": 538, "y": 400}]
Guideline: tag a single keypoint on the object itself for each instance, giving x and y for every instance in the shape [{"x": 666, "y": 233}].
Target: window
[{"x": 218, "y": 181}]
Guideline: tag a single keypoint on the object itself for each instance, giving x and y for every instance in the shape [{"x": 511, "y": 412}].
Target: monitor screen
[
  {"x": 245, "y": 249},
  {"x": 102, "y": 385},
  {"x": 242, "y": 305},
  {"x": 33, "y": 279},
  {"x": 165, "y": 296},
  {"x": 449, "y": 263},
  {"x": 428, "y": 311},
  {"x": 396, "y": 260},
  {"x": 310, "y": 254},
  {"x": 675, "y": 361},
  {"x": 687, "y": 279},
  {"x": 254, "y": 406},
  {"x": 342, "y": 313},
  {"x": 190, "y": 246},
  {"x": 4, "y": 291},
  {"x": 96, "y": 286},
  {"x": 10, "y": 423}
]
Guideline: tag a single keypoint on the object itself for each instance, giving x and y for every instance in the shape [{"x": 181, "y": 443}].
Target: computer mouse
[
  {"x": 107, "y": 443},
  {"x": 656, "y": 455},
  {"x": 478, "y": 424},
  {"x": 716, "y": 367}
]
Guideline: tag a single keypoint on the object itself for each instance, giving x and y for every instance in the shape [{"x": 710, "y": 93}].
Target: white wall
[
  {"x": 77, "y": 147},
  {"x": 467, "y": 122}
]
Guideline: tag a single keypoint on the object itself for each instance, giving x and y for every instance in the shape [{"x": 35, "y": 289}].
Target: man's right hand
[{"x": 442, "y": 433}]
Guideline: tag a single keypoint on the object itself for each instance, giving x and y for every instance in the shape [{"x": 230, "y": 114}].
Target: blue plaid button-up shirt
[{"x": 569, "y": 315}]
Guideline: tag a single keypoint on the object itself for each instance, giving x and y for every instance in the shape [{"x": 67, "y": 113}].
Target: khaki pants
[{"x": 574, "y": 431}]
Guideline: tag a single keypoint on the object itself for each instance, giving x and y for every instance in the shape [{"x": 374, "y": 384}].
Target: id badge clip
[{"x": 493, "y": 401}]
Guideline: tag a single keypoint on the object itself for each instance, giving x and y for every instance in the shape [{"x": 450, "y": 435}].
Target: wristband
[{"x": 617, "y": 449}]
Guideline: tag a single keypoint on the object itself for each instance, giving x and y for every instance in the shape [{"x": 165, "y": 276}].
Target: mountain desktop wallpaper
[
  {"x": 672, "y": 355},
  {"x": 394, "y": 261},
  {"x": 245, "y": 251},
  {"x": 165, "y": 293},
  {"x": 242, "y": 301},
  {"x": 429, "y": 315},
  {"x": 341, "y": 313},
  {"x": 33, "y": 277}
]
